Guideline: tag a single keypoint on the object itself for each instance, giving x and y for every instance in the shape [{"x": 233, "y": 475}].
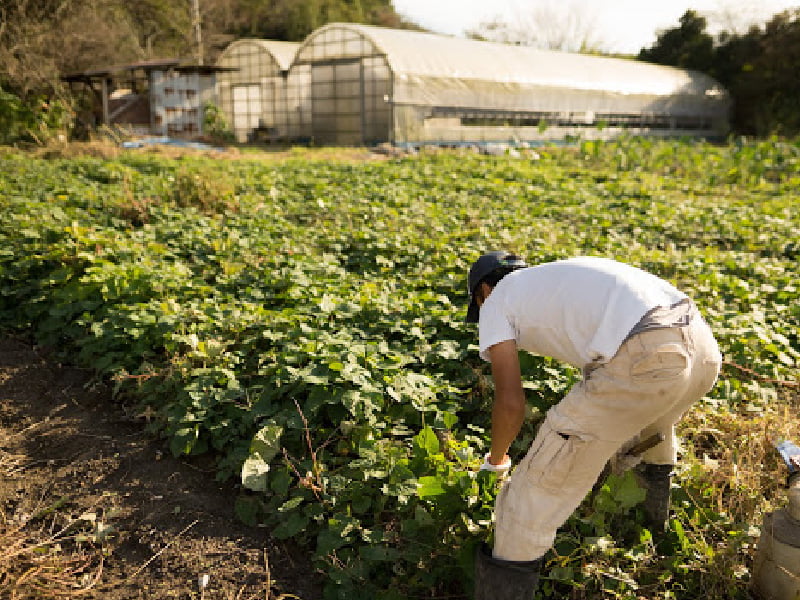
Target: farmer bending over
[{"x": 646, "y": 355}]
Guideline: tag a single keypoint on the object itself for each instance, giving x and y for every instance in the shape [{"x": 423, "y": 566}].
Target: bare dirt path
[{"x": 91, "y": 507}]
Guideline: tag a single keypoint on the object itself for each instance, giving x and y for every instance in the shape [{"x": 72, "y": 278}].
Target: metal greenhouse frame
[
  {"x": 367, "y": 85},
  {"x": 254, "y": 92}
]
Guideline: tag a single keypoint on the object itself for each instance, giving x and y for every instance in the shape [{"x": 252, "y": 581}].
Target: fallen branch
[{"x": 762, "y": 378}]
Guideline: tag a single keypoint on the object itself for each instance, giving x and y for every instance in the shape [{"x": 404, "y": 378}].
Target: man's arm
[{"x": 508, "y": 411}]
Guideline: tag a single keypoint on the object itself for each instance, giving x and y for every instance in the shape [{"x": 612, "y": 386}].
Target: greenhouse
[
  {"x": 368, "y": 85},
  {"x": 254, "y": 91}
]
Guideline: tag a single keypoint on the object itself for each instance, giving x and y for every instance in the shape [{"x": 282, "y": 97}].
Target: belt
[{"x": 679, "y": 314}]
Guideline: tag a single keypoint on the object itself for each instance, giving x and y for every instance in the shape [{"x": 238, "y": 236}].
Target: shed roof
[
  {"x": 145, "y": 65},
  {"x": 159, "y": 64},
  {"x": 413, "y": 53}
]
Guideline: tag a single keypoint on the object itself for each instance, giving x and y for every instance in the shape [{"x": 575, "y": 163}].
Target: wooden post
[
  {"x": 104, "y": 93},
  {"x": 197, "y": 30}
]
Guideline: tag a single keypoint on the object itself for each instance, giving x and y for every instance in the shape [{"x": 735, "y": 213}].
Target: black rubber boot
[
  {"x": 657, "y": 483},
  {"x": 497, "y": 579}
]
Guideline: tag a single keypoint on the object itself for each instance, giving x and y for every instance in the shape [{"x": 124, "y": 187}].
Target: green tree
[
  {"x": 768, "y": 88},
  {"x": 687, "y": 46},
  {"x": 293, "y": 21},
  {"x": 759, "y": 68}
]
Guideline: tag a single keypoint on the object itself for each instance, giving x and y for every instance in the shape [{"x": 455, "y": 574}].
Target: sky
[{"x": 616, "y": 26}]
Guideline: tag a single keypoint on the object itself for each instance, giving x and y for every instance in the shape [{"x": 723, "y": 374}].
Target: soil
[{"x": 91, "y": 506}]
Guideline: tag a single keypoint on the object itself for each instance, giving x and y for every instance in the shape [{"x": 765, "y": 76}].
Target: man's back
[{"x": 576, "y": 310}]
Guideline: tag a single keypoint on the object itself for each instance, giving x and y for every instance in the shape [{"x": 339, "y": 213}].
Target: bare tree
[
  {"x": 552, "y": 25},
  {"x": 738, "y": 18},
  {"x": 40, "y": 40}
]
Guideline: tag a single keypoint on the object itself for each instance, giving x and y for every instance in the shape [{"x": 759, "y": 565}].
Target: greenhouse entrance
[
  {"x": 252, "y": 89},
  {"x": 246, "y": 110},
  {"x": 337, "y": 102}
]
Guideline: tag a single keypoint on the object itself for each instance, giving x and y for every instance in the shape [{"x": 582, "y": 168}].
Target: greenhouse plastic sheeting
[
  {"x": 253, "y": 90},
  {"x": 282, "y": 53},
  {"x": 437, "y": 70}
]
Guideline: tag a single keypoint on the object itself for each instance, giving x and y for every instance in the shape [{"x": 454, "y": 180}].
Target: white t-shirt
[{"x": 577, "y": 310}]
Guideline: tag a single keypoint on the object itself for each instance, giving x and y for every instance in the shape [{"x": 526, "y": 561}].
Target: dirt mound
[{"x": 92, "y": 507}]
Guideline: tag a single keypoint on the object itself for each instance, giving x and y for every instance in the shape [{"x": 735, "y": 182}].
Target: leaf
[
  {"x": 416, "y": 387},
  {"x": 254, "y": 473},
  {"x": 279, "y": 481},
  {"x": 626, "y": 491},
  {"x": 184, "y": 440},
  {"x": 291, "y": 504},
  {"x": 327, "y": 304},
  {"x": 293, "y": 524},
  {"x": 426, "y": 443},
  {"x": 247, "y": 509},
  {"x": 429, "y": 486},
  {"x": 449, "y": 419},
  {"x": 266, "y": 443},
  {"x": 378, "y": 553},
  {"x": 329, "y": 540},
  {"x": 263, "y": 448},
  {"x": 361, "y": 503}
]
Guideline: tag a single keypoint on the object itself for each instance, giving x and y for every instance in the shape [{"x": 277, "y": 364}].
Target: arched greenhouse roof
[
  {"x": 282, "y": 53},
  {"x": 415, "y": 54}
]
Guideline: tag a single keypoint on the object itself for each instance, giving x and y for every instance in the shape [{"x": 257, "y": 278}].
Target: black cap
[{"x": 485, "y": 265}]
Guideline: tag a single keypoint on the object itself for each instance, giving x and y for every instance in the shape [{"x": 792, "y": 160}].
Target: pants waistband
[{"x": 679, "y": 314}]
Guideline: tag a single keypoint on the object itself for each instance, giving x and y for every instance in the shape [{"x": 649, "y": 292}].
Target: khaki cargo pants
[{"x": 649, "y": 384}]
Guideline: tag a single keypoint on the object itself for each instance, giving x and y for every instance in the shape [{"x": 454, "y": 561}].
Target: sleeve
[{"x": 494, "y": 326}]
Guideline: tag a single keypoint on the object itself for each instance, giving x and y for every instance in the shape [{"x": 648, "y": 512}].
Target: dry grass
[
  {"x": 43, "y": 557},
  {"x": 734, "y": 476},
  {"x": 109, "y": 147},
  {"x": 735, "y": 456}
]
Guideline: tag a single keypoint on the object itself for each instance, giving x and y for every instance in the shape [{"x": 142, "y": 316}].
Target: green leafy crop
[{"x": 302, "y": 321}]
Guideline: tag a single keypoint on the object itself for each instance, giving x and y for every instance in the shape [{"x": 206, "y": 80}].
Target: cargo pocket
[
  {"x": 666, "y": 361},
  {"x": 556, "y": 458}
]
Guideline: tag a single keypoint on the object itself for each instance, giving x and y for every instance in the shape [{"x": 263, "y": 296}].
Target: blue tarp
[{"x": 168, "y": 141}]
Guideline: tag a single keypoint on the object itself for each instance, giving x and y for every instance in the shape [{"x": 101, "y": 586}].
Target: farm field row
[{"x": 301, "y": 320}]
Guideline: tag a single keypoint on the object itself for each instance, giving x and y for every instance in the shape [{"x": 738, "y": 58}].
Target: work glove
[
  {"x": 630, "y": 454},
  {"x": 500, "y": 469},
  {"x": 622, "y": 462}
]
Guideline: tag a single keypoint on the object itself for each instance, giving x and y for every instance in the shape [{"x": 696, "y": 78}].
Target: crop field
[{"x": 301, "y": 321}]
